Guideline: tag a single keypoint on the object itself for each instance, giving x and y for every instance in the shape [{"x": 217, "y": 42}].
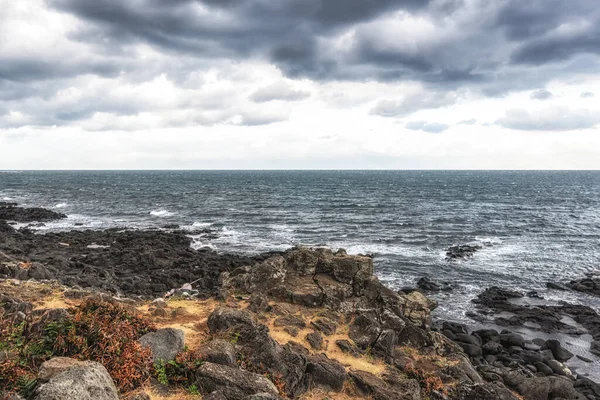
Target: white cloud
[{"x": 549, "y": 119}]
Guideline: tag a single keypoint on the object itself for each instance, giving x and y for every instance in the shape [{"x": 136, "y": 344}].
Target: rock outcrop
[
  {"x": 12, "y": 212},
  {"x": 65, "y": 378},
  {"x": 164, "y": 343}
]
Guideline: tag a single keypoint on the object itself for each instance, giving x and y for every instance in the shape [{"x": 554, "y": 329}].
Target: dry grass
[
  {"x": 175, "y": 395},
  {"x": 322, "y": 395},
  {"x": 364, "y": 363},
  {"x": 192, "y": 318}
]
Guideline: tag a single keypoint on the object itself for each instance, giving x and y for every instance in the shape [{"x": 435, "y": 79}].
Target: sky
[{"x": 299, "y": 84}]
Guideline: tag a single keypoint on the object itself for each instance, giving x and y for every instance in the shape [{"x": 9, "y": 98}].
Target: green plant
[
  {"x": 235, "y": 337},
  {"x": 161, "y": 373},
  {"x": 26, "y": 386},
  {"x": 95, "y": 330},
  {"x": 193, "y": 389}
]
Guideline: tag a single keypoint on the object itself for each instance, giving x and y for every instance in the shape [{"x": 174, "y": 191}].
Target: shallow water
[{"x": 538, "y": 226}]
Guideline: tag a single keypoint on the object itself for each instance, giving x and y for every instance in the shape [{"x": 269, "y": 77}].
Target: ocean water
[{"x": 537, "y": 226}]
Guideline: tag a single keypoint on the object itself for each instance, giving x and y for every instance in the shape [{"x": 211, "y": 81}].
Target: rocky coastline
[{"x": 141, "y": 315}]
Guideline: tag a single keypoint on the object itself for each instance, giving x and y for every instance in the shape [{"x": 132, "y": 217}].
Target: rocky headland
[{"x": 140, "y": 315}]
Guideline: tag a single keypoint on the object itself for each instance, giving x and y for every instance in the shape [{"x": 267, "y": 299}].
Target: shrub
[
  {"x": 95, "y": 330},
  {"x": 180, "y": 371}
]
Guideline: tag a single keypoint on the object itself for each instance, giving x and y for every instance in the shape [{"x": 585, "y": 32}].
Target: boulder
[
  {"x": 289, "y": 320},
  {"x": 233, "y": 383},
  {"x": 348, "y": 348},
  {"x": 219, "y": 352},
  {"x": 559, "y": 353},
  {"x": 325, "y": 373},
  {"x": 164, "y": 343},
  {"x": 225, "y": 318},
  {"x": 71, "y": 379},
  {"x": 315, "y": 340},
  {"x": 324, "y": 326},
  {"x": 368, "y": 384},
  {"x": 534, "y": 388},
  {"x": 364, "y": 330}
]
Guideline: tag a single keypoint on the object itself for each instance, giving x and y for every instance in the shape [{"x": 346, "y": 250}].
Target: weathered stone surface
[
  {"x": 315, "y": 340},
  {"x": 560, "y": 353},
  {"x": 370, "y": 385},
  {"x": 325, "y": 373},
  {"x": 324, "y": 326},
  {"x": 81, "y": 381},
  {"x": 348, "y": 348},
  {"x": 364, "y": 331},
  {"x": 57, "y": 365},
  {"x": 233, "y": 383},
  {"x": 164, "y": 343},
  {"x": 289, "y": 320},
  {"x": 219, "y": 352}
]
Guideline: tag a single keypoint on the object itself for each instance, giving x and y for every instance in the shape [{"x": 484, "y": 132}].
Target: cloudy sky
[{"x": 425, "y": 84}]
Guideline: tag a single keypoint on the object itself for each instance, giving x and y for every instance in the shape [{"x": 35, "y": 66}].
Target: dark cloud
[
  {"x": 541, "y": 94},
  {"x": 32, "y": 68},
  {"x": 448, "y": 46},
  {"x": 551, "y": 119},
  {"x": 297, "y": 35},
  {"x": 429, "y": 127}
]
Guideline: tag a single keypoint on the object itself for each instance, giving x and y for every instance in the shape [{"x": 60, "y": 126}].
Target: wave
[
  {"x": 61, "y": 205},
  {"x": 161, "y": 213}
]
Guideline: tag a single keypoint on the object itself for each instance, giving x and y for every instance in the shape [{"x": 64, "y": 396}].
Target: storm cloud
[{"x": 221, "y": 65}]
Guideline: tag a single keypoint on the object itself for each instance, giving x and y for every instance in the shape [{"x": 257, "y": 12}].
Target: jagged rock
[
  {"x": 72, "y": 379},
  {"x": 257, "y": 346},
  {"x": 555, "y": 286},
  {"x": 325, "y": 373},
  {"x": 368, "y": 384},
  {"x": 463, "y": 251},
  {"x": 364, "y": 331},
  {"x": 233, "y": 383},
  {"x": 348, "y": 348},
  {"x": 224, "y": 318},
  {"x": 258, "y": 303},
  {"x": 289, "y": 320},
  {"x": 315, "y": 340},
  {"x": 164, "y": 343},
  {"x": 427, "y": 285},
  {"x": 12, "y": 212},
  {"x": 292, "y": 330},
  {"x": 324, "y": 326},
  {"x": 219, "y": 352},
  {"x": 590, "y": 285}
]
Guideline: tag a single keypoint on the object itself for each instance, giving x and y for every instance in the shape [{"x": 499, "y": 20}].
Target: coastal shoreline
[{"x": 142, "y": 265}]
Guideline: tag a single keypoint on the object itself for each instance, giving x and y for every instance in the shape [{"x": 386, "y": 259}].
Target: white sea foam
[
  {"x": 61, "y": 205},
  {"x": 161, "y": 213},
  {"x": 7, "y": 198},
  {"x": 201, "y": 224}
]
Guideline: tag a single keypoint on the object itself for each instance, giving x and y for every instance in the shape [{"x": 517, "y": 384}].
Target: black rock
[
  {"x": 12, "y": 212},
  {"x": 427, "y": 285},
  {"x": 558, "y": 351},
  {"x": 461, "y": 252}
]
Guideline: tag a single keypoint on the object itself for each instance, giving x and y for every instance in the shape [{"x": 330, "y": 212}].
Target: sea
[{"x": 534, "y": 226}]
